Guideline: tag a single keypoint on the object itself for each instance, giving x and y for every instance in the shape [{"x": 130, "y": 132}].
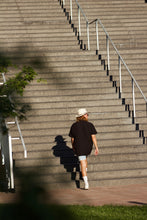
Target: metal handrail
[
  {"x": 18, "y": 126},
  {"x": 21, "y": 137},
  {"x": 80, "y": 10},
  {"x": 108, "y": 39},
  {"x": 120, "y": 59},
  {"x": 7, "y": 157},
  {"x": 11, "y": 180},
  {"x": 87, "y": 23}
]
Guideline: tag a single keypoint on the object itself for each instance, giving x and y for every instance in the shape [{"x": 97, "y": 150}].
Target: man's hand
[
  {"x": 96, "y": 151},
  {"x": 95, "y": 144}
]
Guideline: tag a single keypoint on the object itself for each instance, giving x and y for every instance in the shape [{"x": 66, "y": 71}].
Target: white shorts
[{"x": 83, "y": 157}]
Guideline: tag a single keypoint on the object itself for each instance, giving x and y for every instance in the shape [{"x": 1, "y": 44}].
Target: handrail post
[
  {"x": 79, "y": 21},
  {"x": 71, "y": 9},
  {"x": 97, "y": 35},
  {"x": 133, "y": 94},
  {"x": 11, "y": 164},
  {"x": 87, "y": 27},
  {"x": 4, "y": 79},
  {"x": 108, "y": 55},
  {"x": 21, "y": 137},
  {"x": 120, "y": 80}
]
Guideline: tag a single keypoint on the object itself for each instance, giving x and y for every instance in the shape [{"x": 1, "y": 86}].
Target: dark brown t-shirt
[{"x": 81, "y": 132}]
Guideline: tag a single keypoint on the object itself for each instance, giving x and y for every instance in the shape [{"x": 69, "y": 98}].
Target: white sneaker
[{"x": 86, "y": 185}]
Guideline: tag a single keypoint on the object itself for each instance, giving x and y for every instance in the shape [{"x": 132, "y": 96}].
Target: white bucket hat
[{"x": 81, "y": 112}]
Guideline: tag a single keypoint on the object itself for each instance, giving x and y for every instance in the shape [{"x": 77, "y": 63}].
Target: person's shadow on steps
[{"x": 67, "y": 158}]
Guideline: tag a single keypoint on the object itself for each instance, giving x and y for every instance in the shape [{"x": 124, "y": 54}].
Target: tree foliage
[
  {"x": 4, "y": 63},
  {"x": 12, "y": 90}
]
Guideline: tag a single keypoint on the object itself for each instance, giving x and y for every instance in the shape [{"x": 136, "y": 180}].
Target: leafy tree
[{"x": 10, "y": 105}]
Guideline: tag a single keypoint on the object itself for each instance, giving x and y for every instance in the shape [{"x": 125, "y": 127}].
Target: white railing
[
  {"x": 11, "y": 181},
  {"x": 7, "y": 157},
  {"x": 18, "y": 127},
  {"x": 120, "y": 61},
  {"x": 108, "y": 40},
  {"x": 20, "y": 135},
  {"x": 6, "y": 149}
]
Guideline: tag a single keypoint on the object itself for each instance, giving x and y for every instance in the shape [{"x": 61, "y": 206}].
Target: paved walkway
[{"x": 117, "y": 195}]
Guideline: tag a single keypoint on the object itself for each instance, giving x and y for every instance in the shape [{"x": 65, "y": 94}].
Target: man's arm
[
  {"x": 95, "y": 144},
  {"x": 72, "y": 142}
]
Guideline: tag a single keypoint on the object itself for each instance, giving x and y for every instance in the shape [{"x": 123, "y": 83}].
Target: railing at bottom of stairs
[
  {"x": 7, "y": 154},
  {"x": 7, "y": 158},
  {"x": 6, "y": 149},
  {"x": 20, "y": 135},
  {"x": 18, "y": 126},
  {"x": 11, "y": 181}
]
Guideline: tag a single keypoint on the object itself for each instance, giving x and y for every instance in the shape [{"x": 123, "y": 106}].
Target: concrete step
[
  {"x": 136, "y": 51},
  {"x": 44, "y": 139},
  {"x": 46, "y": 161},
  {"x": 120, "y": 134},
  {"x": 36, "y": 26},
  {"x": 125, "y": 131},
  {"x": 58, "y": 91},
  {"x": 116, "y": 182},
  {"x": 127, "y": 78},
  {"x": 136, "y": 164},
  {"x": 119, "y": 157},
  {"x": 33, "y": 52},
  {"x": 59, "y": 111},
  {"x": 67, "y": 177},
  {"x": 36, "y": 162},
  {"x": 40, "y": 44},
  {"x": 64, "y": 151},
  {"x": 61, "y": 102},
  {"x": 118, "y": 174},
  {"x": 112, "y": 14},
  {"x": 78, "y": 85},
  {"x": 111, "y": 117},
  {"x": 103, "y": 124},
  {"x": 103, "y": 106},
  {"x": 115, "y": 142},
  {"x": 62, "y": 33},
  {"x": 26, "y": 16},
  {"x": 47, "y": 98},
  {"x": 49, "y": 29}
]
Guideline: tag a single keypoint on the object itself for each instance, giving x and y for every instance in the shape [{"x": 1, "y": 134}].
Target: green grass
[
  {"x": 109, "y": 212},
  {"x": 75, "y": 212}
]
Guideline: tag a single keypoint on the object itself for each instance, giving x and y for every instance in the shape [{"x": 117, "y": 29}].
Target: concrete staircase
[{"x": 39, "y": 31}]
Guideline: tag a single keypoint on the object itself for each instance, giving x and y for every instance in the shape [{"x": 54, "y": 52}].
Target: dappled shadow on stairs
[{"x": 67, "y": 158}]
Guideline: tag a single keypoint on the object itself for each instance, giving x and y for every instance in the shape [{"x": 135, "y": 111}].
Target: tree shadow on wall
[{"x": 68, "y": 159}]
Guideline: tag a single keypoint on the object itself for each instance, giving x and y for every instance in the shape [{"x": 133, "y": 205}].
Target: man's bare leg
[{"x": 84, "y": 172}]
